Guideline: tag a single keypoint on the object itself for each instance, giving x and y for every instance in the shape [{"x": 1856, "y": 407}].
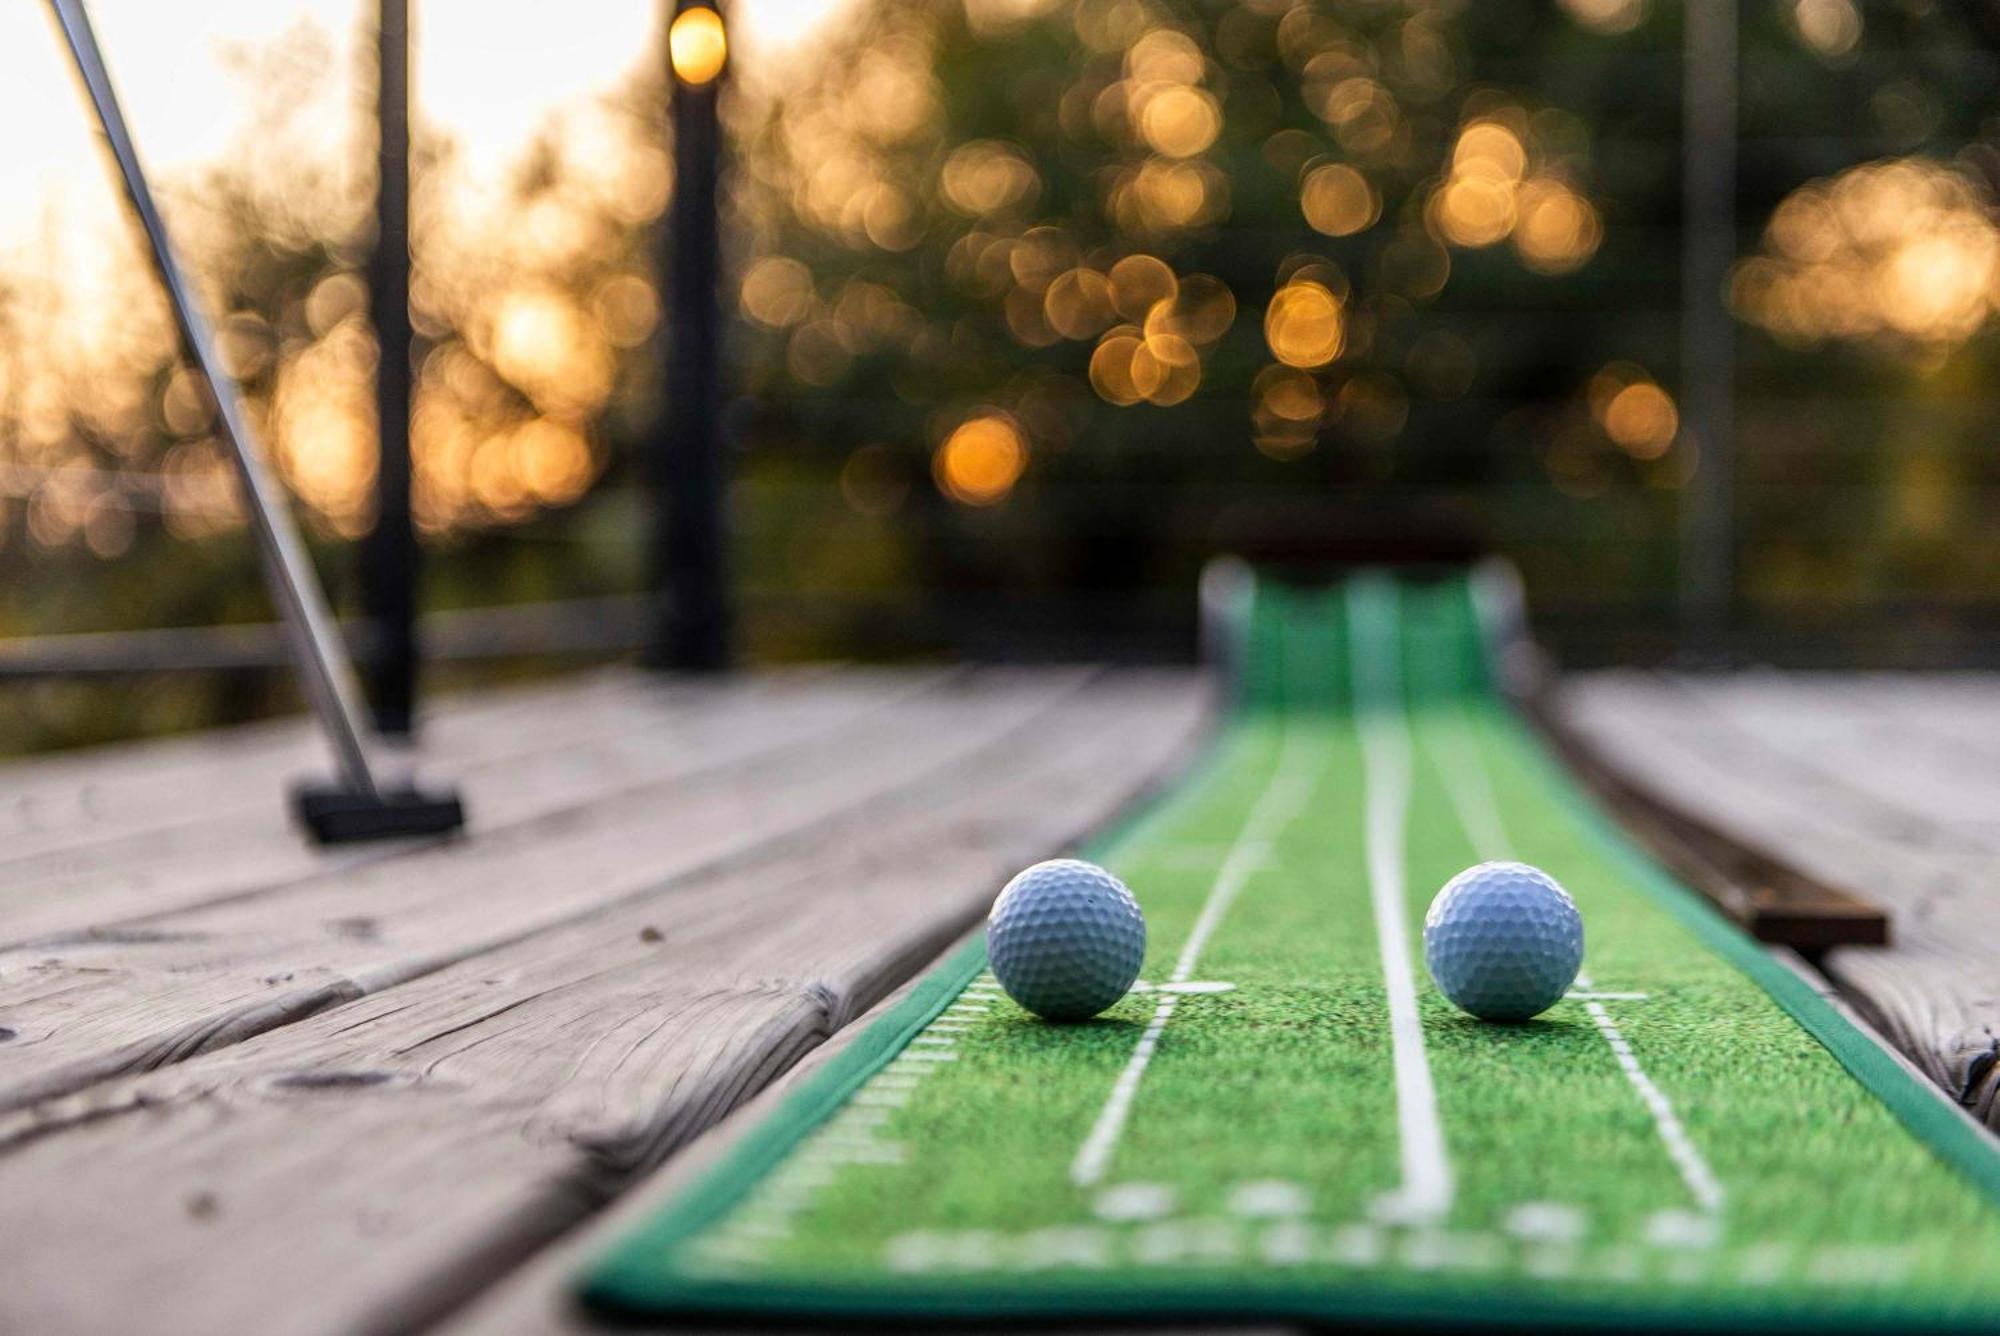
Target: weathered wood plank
[
  {"x": 1932, "y": 992},
  {"x": 75, "y": 798},
  {"x": 1962, "y": 709},
  {"x": 1668, "y": 737},
  {"x": 1912, "y": 786},
  {"x": 208, "y": 977},
  {"x": 515, "y": 774},
  {"x": 1770, "y": 898},
  {"x": 374, "y": 1166},
  {"x": 535, "y": 1299}
]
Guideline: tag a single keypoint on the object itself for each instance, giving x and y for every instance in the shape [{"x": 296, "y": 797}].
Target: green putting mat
[{"x": 1289, "y": 1120}]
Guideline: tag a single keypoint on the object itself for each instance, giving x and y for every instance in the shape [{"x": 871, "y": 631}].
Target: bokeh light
[
  {"x": 1337, "y": 200},
  {"x": 986, "y": 176},
  {"x": 1828, "y": 28},
  {"x": 1139, "y": 283},
  {"x": 1904, "y": 250},
  {"x": 982, "y": 459},
  {"x": 1287, "y": 406},
  {"x": 1179, "y": 121},
  {"x": 1304, "y": 324},
  {"x": 1610, "y": 17},
  {"x": 1078, "y": 303},
  {"x": 1002, "y": 234},
  {"x": 1558, "y": 229},
  {"x": 1633, "y": 411}
]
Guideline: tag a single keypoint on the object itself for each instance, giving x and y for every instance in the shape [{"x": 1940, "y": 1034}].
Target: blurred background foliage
[
  {"x": 1071, "y": 295},
  {"x": 1037, "y": 305}
]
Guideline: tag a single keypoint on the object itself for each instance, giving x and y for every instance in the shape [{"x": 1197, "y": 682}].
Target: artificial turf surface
[{"x": 1692, "y": 1138}]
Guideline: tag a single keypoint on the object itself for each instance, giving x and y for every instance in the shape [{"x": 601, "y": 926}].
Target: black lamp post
[
  {"x": 689, "y": 562},
  {"x": 389, "y": 555}
]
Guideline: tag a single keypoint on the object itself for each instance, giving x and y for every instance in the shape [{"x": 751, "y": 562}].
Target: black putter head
[{"x": 335, "y": 815}]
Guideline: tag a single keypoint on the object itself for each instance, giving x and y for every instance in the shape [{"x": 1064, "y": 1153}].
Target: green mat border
[{"x": 636, "y": 1278}]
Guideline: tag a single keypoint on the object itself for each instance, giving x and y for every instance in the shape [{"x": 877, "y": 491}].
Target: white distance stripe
[
  {"x": 1470, "y": 787},
  {"x": 1702, "y": 1184},
  {"x": 1425, "y": 1193},
  {"x": 1283, "y": 798},
  {"x": 1092, "y": 1158}
]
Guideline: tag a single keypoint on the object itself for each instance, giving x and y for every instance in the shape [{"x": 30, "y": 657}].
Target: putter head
[{"x": 332, "y": 814}]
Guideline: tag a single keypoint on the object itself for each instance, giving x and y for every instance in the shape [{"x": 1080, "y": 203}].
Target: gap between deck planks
[
  {"x": 372, "y": 1167},
  {"x": 188, "y": 981},
  {"x": 1770, "y": 759},
  {"x": 540, "y": 757}
]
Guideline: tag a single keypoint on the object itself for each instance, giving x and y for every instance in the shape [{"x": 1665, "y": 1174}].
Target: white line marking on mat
[
  {"x": 1470, "y": 788},
  {"x": 1095, "y": 1154},
  {"x": 1269, "y": 1199},
  {"x": 1425, "y": 1193},
  {"x": 1281, "y": 801},
  {"x": 1134, "y": 1201},
  {"x": 1701, "y": 1182},
  {"x": 1681, "y": 1229},
  {"x": 1546, "y": 1222}
]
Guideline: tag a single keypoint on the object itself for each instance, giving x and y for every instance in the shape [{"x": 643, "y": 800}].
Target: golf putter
[{"x": 357, "y": 807}]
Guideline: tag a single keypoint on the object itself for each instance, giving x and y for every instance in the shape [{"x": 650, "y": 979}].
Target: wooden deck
[
  {"x": 1887, "y": 785},
  {"x": 246, "y": 1085},
  {"x": 251, "y": 1086}
]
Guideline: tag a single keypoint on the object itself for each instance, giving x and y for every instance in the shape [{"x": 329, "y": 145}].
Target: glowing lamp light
[{"x": 698, "y": 45}]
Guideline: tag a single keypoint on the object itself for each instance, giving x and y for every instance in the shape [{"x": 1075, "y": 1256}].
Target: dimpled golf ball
[
  {"x": 1503, "y": 941},
  {"x": 1065, "y": 939}
]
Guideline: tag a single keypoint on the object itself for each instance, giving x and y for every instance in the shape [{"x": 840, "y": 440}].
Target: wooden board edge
[{"x": 1769, "y": 897}]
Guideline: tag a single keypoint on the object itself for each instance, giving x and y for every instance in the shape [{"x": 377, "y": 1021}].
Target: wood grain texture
[
  {"x": 550, "y": 757},
  {"x": 177, "y": 984},
  {"x": 536, "y": 1299},
  {"x": 71, "y": 799},
  {"x": 1767, "y": 896},
  {"x": 372, "y": 1167},
  {"x": 1825, "y": 773},
  {"x": 1909, "y": 785}
]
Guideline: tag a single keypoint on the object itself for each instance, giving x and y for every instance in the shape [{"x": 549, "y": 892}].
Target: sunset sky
[{"x": 488, "y": 71}]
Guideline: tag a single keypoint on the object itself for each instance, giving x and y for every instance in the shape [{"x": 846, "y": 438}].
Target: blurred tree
[
  {"x": 1070, "y": 294},
  {"x": 1040, "y": 303},
  {"x": 532, "y": 301}
]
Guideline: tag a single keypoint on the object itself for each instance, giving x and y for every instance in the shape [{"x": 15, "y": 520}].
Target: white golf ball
[
  {"x": 1503, "y": 941},
  {"x": 1065, "y": 939}
]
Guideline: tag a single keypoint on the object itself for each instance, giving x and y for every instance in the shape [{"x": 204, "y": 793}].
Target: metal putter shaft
[{"x": 359, "y": 808}]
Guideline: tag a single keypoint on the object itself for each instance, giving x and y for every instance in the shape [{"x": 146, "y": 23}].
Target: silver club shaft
[{"x": 324, "y": 669}]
